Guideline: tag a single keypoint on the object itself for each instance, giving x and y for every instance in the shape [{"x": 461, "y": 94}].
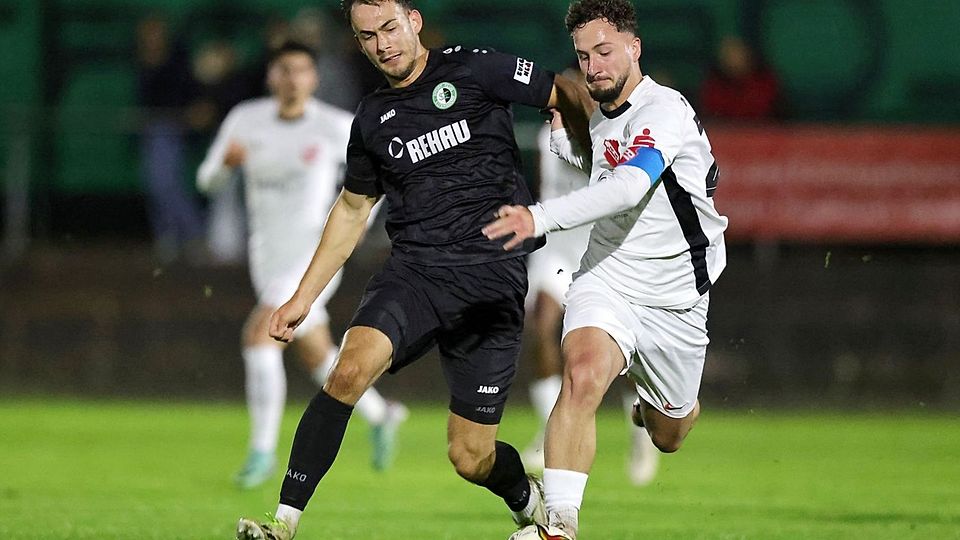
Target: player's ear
[
  {"x": 416, "y": 20},
  {"x": 635, "y": 49}
]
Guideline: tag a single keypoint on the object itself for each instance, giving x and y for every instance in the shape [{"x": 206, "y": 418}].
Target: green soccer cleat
[
  {"x": 258, "y": 468},
  {"x": 383, "y": 436},
  {"x": 271, "y": 529}
]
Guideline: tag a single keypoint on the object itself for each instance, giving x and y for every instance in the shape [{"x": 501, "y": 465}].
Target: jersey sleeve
[
  {"x": 212, "y": 173},
  {"x": 509, "y": 78},
  {"x": 361, "y": 175}
]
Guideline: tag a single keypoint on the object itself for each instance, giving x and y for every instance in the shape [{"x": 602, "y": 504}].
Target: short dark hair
[
  {"x": 347, "y": 5},
  {"x": 619, "y": 13},
  {"x": 290, "y": 47}
]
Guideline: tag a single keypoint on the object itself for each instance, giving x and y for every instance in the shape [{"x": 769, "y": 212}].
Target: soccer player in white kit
[
  {"x": 291, "y": 150},
  {"x": 551, "y": 270},
  {"x": 638, "y": 305}
]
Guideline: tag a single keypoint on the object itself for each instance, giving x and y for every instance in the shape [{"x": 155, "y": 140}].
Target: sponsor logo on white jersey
[
  {"x": 432, "y": 142},
  {"x": 388, "y": 115},
  {"x": 524, "y": 70},
  {"x": 488, "y": 389}
]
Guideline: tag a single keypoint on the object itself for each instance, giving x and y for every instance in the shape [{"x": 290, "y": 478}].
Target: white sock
[
  {"x": 290, "y": 515},
  {"x": 371, "y": 405},
  {"x": 543, "y": 396},
  {"x": 563, "y": 491},
  {"x": 266, "y": 394}
]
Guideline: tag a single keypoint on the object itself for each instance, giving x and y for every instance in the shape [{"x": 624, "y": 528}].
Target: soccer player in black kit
[{"x": 438, "y": 142}]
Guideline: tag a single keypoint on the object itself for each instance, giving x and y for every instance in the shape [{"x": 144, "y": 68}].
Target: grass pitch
[{"x": 82, "y": 470}]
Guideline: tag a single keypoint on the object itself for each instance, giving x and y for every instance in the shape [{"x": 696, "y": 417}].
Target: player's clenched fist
[
  {"x": 516, "y": 220},
  {"x": 286, "y": 319}
]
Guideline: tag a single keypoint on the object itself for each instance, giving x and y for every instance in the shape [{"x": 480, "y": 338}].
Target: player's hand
[
  {"x": 235, "y": 156},
  {"x": 515, "y": 220},
  {"x": 286, "y": 319},
  {"x": 556, "y": 120}
]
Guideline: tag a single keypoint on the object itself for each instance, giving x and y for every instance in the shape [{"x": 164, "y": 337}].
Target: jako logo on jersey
[
  {"x": 435, "y": 141},
  {"x": 524, "y": 70},
  {"x": 615, "y": 156},
  {"x": 388, "y": 115},
  {"x": 444, "y": 95},
  {"x": 396, "y": 148},
  {"x": 298, "y": 476},
  {"x": 488, "y": 390}
]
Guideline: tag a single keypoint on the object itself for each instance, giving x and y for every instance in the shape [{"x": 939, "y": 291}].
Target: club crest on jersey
[
  {"x": 444, "y": 96},
  {"x": 617, "y": 156},
  {"x": 310, "y": 153}
]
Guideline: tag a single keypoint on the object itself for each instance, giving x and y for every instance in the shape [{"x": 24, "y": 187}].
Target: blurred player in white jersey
[
  {"x": 291, "y": 150},
  {"x": 638, "y": 304},
  {"x": 551, "y": 270}
]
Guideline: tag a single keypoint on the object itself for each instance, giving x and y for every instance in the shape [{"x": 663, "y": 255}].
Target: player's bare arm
[
  {"x": 235, "y": 155},
  {"x": 345, "y": 226},
  {"x": 575, "y": 106}
]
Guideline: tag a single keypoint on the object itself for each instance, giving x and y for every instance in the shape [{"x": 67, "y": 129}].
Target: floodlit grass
[{"x": 82, "y": 470}]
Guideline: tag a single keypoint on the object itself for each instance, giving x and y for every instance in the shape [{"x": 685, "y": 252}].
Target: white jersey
[
  {"x": 551, "y": 267},
  {"x": 291, "y": 175},
  {"x": 657, "y": 237}
]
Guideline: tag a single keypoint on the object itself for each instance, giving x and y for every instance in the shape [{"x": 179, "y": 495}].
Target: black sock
[
  {"x": 507, "y": 478},
  {"x": 315, "y": 446}
]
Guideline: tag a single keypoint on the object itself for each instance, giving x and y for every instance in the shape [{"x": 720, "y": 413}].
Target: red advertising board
[{"x": 876, "y": 184}]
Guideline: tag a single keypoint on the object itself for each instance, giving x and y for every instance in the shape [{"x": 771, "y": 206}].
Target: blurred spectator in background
[
  {"x": 740, "y": 86},
  {"x": 341, "y": 86},
  {"x": 222, "y": 85},
  {"x": 165, "y": 87}
]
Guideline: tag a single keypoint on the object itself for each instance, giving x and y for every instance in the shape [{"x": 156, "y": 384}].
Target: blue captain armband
[{"x": 649, "y": 160}]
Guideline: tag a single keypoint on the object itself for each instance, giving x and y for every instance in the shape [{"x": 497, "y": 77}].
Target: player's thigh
[
  {"x": 592, "y": 361},
  {"x": 256, "y": 329},
  {"x": 479, "y": 352},
  {"x": 667, "y": 364},
  {"x": 398, "y": 301},
  {"x": 313, "y": 345}
]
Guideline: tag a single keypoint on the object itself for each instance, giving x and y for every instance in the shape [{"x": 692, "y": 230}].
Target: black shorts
[{"x": 473, "y": 313}]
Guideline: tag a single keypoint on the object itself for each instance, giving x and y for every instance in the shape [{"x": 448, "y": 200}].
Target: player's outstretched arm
[
  {"x": 576, "y": 107},
  {"x": 345, "y": 226}
]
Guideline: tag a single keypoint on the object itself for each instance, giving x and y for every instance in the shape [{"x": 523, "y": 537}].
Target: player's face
[
  {"x": 389, "y": 35},
  {"x": 607, "y": 57},
  {"x": 292, "y": 77}
]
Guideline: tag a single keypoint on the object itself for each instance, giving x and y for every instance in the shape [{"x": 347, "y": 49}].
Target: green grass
[{"x": 81, "y": 470}]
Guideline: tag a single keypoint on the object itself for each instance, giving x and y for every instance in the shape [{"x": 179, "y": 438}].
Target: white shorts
[
  {"x": 551, "y": 267},
  {"x": 664, "y": 349},
  {"x": 276, "y": 291}
]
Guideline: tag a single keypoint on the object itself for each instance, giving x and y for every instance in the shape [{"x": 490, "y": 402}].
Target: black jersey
[{"x": 443, "y": 152}]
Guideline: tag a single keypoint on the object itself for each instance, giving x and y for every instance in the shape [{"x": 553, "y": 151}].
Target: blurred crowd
[{"x": 190, "y": 86}]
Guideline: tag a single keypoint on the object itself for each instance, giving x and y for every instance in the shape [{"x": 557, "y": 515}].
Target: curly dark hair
[
  {"x": 347, "y": 5},
  {"x": 619, "y": 13}
]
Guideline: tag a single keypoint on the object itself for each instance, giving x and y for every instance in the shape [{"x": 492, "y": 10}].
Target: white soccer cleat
[
  {"x": 541, "y": 532},
  {"x": 537, "y": 512},
  {"x": 644, "y": 458}
]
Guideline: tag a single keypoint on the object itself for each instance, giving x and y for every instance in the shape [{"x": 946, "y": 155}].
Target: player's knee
[
  {"x": 586, "y": 380},
  {"x": 347, "y": 379},
  {"x": 667, "y": 443},
  {"x": 470, "y": 463}
]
